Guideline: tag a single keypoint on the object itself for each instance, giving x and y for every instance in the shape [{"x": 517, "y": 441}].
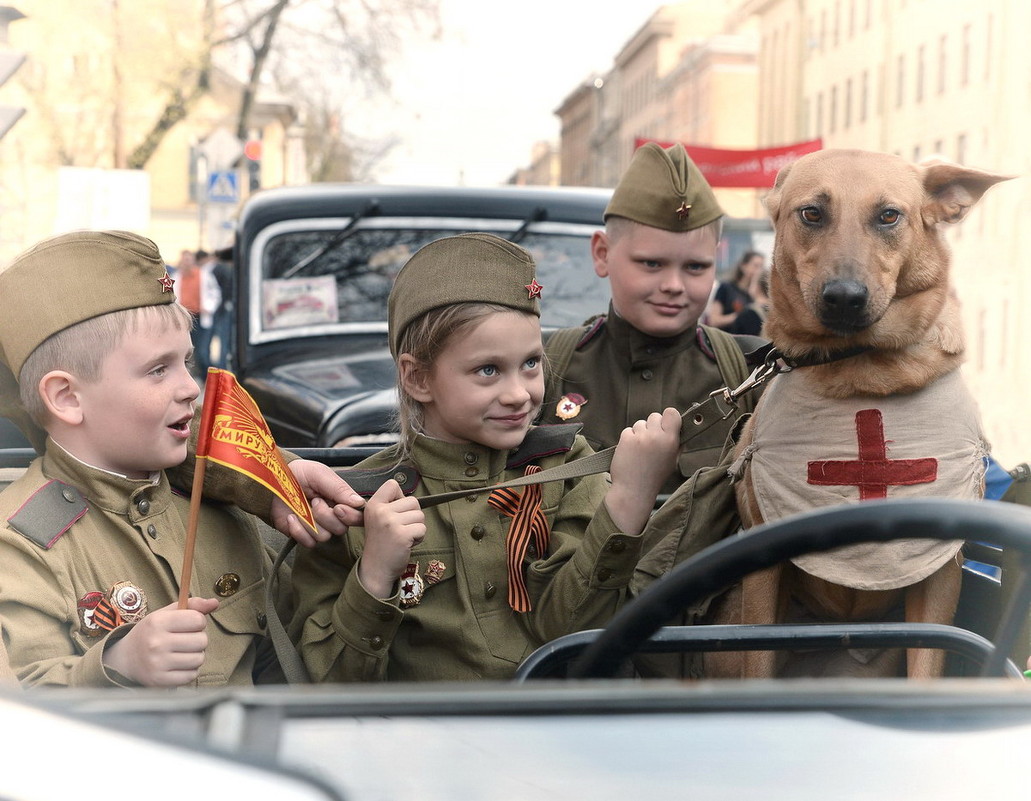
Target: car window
[{"x": 317, "y": 277}]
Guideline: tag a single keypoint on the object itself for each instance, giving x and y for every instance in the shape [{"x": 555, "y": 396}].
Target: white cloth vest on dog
[{"x": 809, "y": 451}]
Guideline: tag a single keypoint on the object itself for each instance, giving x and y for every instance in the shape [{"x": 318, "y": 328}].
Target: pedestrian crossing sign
[{"x": 223, "y": 187}]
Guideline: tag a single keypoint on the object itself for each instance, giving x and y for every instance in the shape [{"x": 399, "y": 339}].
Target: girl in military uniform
[{"x": 468, "y": 589}]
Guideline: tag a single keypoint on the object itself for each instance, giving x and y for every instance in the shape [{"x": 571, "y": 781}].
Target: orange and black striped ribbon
[
  {"x": 528, "y": 521},
  {"x": 106, "y": 615}
]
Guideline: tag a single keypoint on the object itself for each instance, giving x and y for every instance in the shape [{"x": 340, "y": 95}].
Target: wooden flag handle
[{"x": 191, "y": 531}]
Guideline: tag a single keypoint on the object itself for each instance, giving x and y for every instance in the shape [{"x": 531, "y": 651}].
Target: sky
[{"x": 470, "y": 107}]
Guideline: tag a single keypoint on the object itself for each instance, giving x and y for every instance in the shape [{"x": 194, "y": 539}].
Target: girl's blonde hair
[
  {"x": 424, "y": 339},
  {"x": 80, "y": 349}
]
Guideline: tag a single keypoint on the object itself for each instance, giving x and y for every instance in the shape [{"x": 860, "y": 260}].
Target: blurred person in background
[{"x": 733, "y": 296}]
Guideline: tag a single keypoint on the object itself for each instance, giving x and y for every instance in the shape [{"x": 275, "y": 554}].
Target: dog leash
[
  {"x": 767, "y": 361},
  {"x": 697, "y": 419}
]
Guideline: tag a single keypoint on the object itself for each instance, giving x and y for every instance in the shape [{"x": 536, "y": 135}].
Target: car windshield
[{"x": 313, "y": 281}]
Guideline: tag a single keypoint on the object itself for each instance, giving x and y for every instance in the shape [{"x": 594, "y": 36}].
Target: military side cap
[
  {"x": 663, "y": 188},
  {"x": 73, "y": 277},
  {"x": 468, "y": 268}
]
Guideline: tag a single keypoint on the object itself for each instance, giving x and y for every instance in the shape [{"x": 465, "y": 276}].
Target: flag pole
[
  {"x": 191, "y": 531},
  {"x": 212, "y": 388}
]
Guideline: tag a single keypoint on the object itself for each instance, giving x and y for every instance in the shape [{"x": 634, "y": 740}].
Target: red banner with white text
[{"x": 754, "y": 169}]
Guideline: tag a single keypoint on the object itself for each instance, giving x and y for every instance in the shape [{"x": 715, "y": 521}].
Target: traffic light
[
  {"x": 10, "y": 61},
  {"x": 252, "y": 157}
]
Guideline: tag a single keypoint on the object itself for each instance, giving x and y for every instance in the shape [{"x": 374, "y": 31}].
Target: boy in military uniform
[
  {"x": 92, "y": 538},
  {"x": 658, "y": 251}
]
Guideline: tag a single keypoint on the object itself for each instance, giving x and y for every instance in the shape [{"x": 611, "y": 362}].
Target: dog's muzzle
[{"x": 844, "y": 306}]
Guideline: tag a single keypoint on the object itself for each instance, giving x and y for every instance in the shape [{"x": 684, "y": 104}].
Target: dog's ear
[
  {"x": 772, "y": 199},
  {"x": 952, "y": 189}
]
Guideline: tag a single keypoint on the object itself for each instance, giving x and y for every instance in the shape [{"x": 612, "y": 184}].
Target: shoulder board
[
  {"x": 593, "y": 327},
  {"x": 703, "y": 343},
  {"x": 545, "y": 440},
  {"x": 49, "y": 513},
  {"x": 366, "y": 482}
]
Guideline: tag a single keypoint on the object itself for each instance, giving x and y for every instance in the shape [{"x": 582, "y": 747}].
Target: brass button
[
  {"x": 262, "y": 620},
  {"x": 68, "y": 495},
  {"x": 227, "y": 584},
  {"x": 616, "y": 546},
  {"x": 376, "y": 642},
  {"x": 400, "y": 478},
  {"x": 143, "y": 506},
  {"x": 472, "y": 471},
  {"x": 489, "y": 590},
  {"x": 604, "y": 574},
  {"x": 152, "y": 531},
  {"x": 647, "y": 375},
  {"x": 471, "y": 498},
  {"x": 478, "y": 532},
  {"x": 470, "y": 458}
]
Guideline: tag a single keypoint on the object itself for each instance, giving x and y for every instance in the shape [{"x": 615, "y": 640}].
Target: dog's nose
[
  {"x": 845, "y": 297},
  {"x": 844, "y": 306}
]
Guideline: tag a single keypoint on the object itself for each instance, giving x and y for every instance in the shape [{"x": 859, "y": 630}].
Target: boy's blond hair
[{"x": 81, "y": 349}]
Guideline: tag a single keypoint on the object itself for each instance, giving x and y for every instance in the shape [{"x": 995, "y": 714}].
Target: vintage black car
[{"x": 315, "y": 265}]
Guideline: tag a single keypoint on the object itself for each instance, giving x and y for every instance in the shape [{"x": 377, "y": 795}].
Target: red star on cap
[
  {"x": 683, "y": 211},
  {"x": 166, "y": 282},
  {"x": 534, "y": 289}
]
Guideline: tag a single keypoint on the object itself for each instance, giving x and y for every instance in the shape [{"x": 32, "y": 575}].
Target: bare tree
[{"x": 311, "y": 44}]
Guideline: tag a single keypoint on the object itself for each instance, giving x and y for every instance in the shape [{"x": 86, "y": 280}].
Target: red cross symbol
[{"x": 873, "y": 472}]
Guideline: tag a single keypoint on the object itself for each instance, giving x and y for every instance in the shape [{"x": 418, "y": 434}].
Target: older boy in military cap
[
  {"x": 92, "y": 537},
  {"x": 658, "y": 250}
]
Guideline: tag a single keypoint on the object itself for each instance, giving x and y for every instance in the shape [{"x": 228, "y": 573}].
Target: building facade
[{"x": 920, "y": 78}]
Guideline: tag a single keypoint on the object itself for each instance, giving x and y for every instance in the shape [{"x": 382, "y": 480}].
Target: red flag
[
  {"x": 742, "y": 168},
  {"x": 234, "y": 434}
]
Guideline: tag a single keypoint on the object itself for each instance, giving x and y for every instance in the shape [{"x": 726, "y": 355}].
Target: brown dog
[{"x": 860, "y": 279}]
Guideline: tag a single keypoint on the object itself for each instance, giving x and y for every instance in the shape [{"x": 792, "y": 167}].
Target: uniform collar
[
  {"x": 435, "y": 458},
  {"x": 104, "y": 489},
  {"x": 640, "y": 346}
]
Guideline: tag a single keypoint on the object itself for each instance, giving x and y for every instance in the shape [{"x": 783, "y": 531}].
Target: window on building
[
  {"x": 900, "y": 81},
  {"x": 851, "y": 18},
  {"x": 864, "y": 94},
  {"x": 847, "y": 115},
  {"x": 920, "y": 74},
  {"x": 961, "y": 148},
  {"x": 869, "y": 15},
  {"x": 823, "y": 29},
  {"x": 939, "y": 147},
  {"x": 916, "y": 153},
  {"x": 964, "y": 60},
  {"x": 832, "y": 111},
  {"x": 819, "y": 116},
  {"x": 941, "y": 64},
  {"x": 837, "y": 22}
]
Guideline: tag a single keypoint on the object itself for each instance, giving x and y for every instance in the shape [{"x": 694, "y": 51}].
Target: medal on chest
[{"x": 570, "y": 405}]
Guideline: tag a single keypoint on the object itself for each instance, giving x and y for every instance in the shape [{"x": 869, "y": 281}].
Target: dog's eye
[
  {"x": 889, "y": 216},
  {"x": 810, "y": 215}
]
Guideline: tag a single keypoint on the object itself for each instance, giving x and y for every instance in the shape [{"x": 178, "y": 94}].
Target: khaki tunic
[
  {"x": 463, "y": 628},
  {"x": 130, "y": 531},
  {"x": 626, "y": 375}
]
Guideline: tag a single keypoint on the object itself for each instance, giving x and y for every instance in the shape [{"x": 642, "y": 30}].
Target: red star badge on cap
[
  {"x": 534, "y": 289},
  {"x": 166, "y": 282},
  {"x": 683, "y": 211}
]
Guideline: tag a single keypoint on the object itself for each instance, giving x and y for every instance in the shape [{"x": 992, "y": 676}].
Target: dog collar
[{"x": 770, "y": 353}]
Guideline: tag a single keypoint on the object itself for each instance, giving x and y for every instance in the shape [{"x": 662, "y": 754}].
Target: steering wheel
[{"x": 1004, "y": 525}]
